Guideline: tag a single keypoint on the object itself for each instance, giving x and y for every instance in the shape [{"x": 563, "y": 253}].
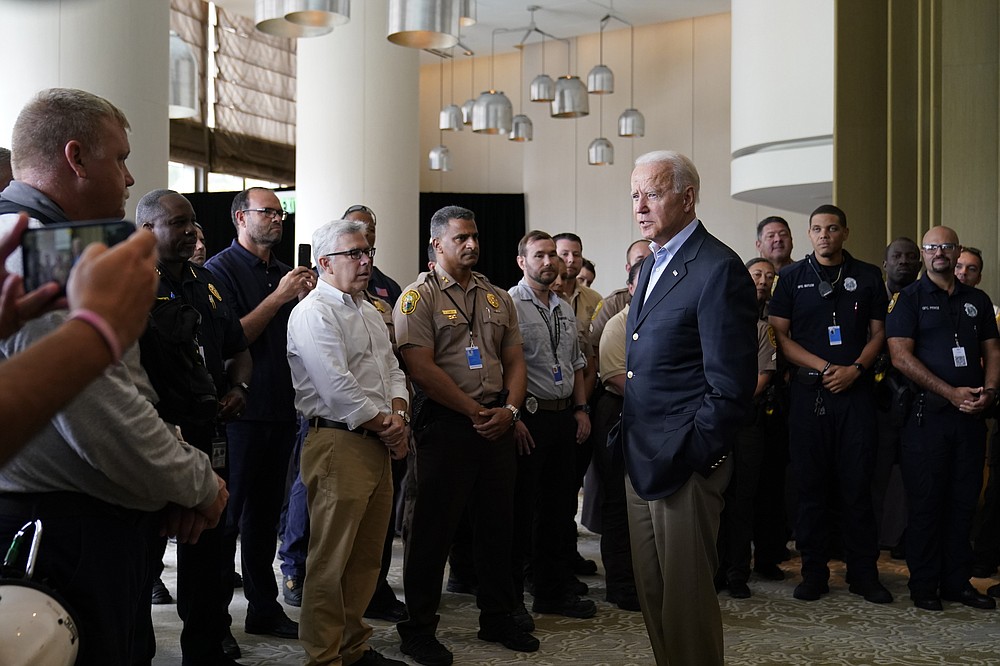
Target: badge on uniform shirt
[
  {"x": 771, "y": 337},
  {"x": 971, "y": 310},
  {"x": 834, "y": 334},
  {"x": 557, "y": 375},
  {"x": 531, "y": 404},
  {"x": 408, "y": 303},
  {"x": 450, "y": 314},
  {"x": 215, "y": 292},
  {"x": 958, "y": 354},
  {"x": 378, "y": 305},
  {"x": 492, "y": 300},
  {"x": 850, "y": 284},
  {"x": 892, "y": 303},
  {"x": 473, "y": 357}
]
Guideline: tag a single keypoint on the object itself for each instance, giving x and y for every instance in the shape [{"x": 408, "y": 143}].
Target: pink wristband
[{"x": 102, "y": 327}]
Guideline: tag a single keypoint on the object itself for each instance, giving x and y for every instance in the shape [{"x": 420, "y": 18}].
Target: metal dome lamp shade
[
  {"x": 522, "y": 129},
  {"x": 543, "y": 88},
  {"x": 469, "y": 103},
  {"x": 439, "y": 158},
  {"x": 183, "y": 95},
  {"x": 601, "y": 80},
  {"x": 600, "y": 152},
  {"x": 423, "y": 24},
  {"x": 631, "y": 123},
  {"x": 451, "y": 115},
  {"x": 269, "y": 18},
  {"x": 466, "y": 13},
  {"x": 571, "y": 95},
  {"x": 318, "y": 13},
  {"x": 492, "y": 113}
]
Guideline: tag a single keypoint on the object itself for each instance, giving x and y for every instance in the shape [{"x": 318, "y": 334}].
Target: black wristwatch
[
  {"x": 585, "y": 408},
  {"x": 244, "y": 386},
  {"x": 860, "y": 367}
]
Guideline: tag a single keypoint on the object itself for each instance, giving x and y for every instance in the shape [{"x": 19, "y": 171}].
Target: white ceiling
[{"x": 561, "y": 18}]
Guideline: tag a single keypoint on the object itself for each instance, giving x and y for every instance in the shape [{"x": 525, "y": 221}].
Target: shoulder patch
[
  {"x": 408, "y": 303},
  {"x": 492, "y": 299},
  {"x": 771, "y": 337},
  {"x": 774, "y": 285},
  {"x": 892, "y": 303},
  {"x": 215, "y": 292}
]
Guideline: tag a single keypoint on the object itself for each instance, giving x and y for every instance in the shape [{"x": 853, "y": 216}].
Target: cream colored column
[
  {"x": 357, "y": 138},
  {"x": 117, "y": 49}
]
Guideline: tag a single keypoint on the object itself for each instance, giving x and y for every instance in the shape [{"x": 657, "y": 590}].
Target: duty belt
[{"x": 533, "y": 404}]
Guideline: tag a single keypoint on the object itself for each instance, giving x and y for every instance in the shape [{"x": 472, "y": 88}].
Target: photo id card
[
  {"x": 958, "y": 353},
  {"x": 557, "y": 375},
  {"x": 473, "y": 357},
  {"x": 834, "y": 333}
]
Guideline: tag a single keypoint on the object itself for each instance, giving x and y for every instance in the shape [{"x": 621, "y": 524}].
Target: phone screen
[
  {"x": 50, "y": 252},
  {"x": 305, "y": 255}
]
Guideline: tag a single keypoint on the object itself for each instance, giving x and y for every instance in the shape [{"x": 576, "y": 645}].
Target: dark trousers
[
  {"x": 942, "y": 463},
  {"x": 455, "y": 467},
  {"x": 770, "y": 520},
  {"x": 544, "y": 504},
  {"x": 986, "y": 545},
  {"x": 96, "y": 557},
  {"x": 736, "y": 526},
  {"x": 616, "y": 549},
  {"x": 258, "y": 464},
  {"x": 295, "y": 528},
  {"x": 831, "y": 459}
]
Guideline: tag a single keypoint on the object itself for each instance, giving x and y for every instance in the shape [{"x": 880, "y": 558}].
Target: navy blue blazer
[{"x": 691, "y": 359}]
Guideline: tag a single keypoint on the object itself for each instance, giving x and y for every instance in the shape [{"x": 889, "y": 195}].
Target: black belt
[
  {"x": 320, "y": 422},
  {"x": 62, "y": 504}
]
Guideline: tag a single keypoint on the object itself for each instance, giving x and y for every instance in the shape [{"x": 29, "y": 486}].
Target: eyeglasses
[
  {"x": 931, "y": 248},
  {"x": 355, "y": 254},
  {"x": 272, "y": 213}
]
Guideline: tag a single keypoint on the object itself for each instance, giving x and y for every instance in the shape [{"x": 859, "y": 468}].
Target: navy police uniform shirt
[
  {"x": 933, "y": 319},
  {"x": 858, "y": 297}
]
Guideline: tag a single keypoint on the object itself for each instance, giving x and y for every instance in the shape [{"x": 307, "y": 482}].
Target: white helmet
[{"x": 35, "y": 628}]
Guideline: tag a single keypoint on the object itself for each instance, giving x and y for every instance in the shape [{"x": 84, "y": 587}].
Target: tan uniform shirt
[
  {"x": 612, "y": 348},
  {"x": 585, "y": 303},
  {"x": 435, "y": 312},
  {"x": 614, "y": 303},
  {"x": 767, "y": 348}
]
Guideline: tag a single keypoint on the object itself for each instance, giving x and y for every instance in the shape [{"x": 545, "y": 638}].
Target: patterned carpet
[{"x": 769, "y": 628}]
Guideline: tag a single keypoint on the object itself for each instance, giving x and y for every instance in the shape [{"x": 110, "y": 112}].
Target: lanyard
[{"x": 553, "y": 336}]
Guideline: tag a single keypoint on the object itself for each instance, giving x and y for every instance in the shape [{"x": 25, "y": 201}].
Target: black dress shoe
[
  {"x": 738, "y": 589},
  {"x": 972, "y": 598},
  {"x": 522, "y": 620},
  {"x": 394, "y": 612},
  {"x": 983, "y": 570},
  {"x": 511, "y": 638},
  {"x": 583, "y": 566},
  {"x": 237, "y": 579},
  {"x": 627, "y": 600},
  {"x": 373, "y": 658},
  {"x": 292, "y": 590},
  {"x": 569, "y": 605},
  {"x": 426, "y": 650},
  {"x": 769, "y": 571},
  {"x": 873, "y": 592},
  {"x": 927, "y": 603},
  {"x": 160, "y": 594},
  {"x": 280, "y": 626},
  {"x": 810, "y": 590},
  {"x": 578, "y": 587},
  {"x": 457, "y": 586},
  {"x": 993, "y": 590},
  {"x": 230, "y": 647}
]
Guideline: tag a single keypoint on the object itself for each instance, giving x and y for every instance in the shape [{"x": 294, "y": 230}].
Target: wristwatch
[
  {"x": 515, "y": 411},
  {"x": 244, "y": 386},
  {"x": 585, "y": 408},
  {"x": 860, "y": 367},
  {"x": 403, "y": 415}
]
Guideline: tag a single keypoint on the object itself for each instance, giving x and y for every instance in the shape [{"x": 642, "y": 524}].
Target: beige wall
[{"x": 682, "y": 73}]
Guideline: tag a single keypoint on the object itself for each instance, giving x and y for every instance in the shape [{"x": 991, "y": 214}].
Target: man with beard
[
  {"x": 555, "y": 421},
  {"x": 201, "y": 597},
  {"x": 460, "y": 341},
  {"x": 943, "y": 338},
  {"x": 828, "y": 311},
  {"x": 264, "y": 291},
  {"x": 774, "y": 241}
]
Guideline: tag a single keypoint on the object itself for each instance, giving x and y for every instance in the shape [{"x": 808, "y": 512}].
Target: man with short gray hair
[{"x": 349, "y": 387}]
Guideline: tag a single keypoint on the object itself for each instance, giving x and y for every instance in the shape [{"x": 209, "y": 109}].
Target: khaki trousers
[
  {"x": 348, "y": 481},
  {"x": 675, "y": 559}
]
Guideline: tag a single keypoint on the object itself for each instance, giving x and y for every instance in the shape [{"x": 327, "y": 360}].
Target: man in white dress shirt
[{"x": 350, "y": 388}]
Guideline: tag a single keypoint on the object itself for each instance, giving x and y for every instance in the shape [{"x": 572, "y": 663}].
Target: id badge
[
  {"x": 958, "y": 353},
  {"x": 473, "y": 357},
  {"x": 834, "y": 333},
  {"x": 557, "y": 375},
  {"x": 219, "y": 452}
]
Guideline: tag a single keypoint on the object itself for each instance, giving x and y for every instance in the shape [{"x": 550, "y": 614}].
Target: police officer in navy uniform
[
  {"x": 828, "y": 312},
  {"x": 943, "y": 337}
]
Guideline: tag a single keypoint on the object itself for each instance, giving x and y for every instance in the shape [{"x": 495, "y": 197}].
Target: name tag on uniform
[
  {"x": 557, "y": 375},
  {"x": 219, "y": 452},
  {"x": 834, "y": 333},
  {"x": 958, "y": 353},
  {"x": 473, "y": 357}
]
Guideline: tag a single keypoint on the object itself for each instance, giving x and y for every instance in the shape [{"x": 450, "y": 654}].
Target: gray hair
[
  {"x": 324, "y": 239},
  {"x": 149, "y": 207},
  {"x": 53, "y": 118},
  {"x": 682, "y": 169},
  {"x": 439, "y": 220}
]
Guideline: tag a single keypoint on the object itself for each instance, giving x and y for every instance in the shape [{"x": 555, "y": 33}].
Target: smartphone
[
  {"x": 305, "y": 255},
  {"x": 49, "y": 253}
]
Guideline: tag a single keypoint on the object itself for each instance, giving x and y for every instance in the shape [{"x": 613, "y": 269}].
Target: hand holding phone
[
  {"x": 48, "y": 253},
  {"x": 16, "y": 306}
]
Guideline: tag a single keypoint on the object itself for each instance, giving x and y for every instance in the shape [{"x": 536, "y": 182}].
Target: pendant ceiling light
[
  {"x": 492, "y": 113},
  {"x": 466, "y": 13},
  {"x": 269, "y": 17},
  {"x": 601, "y": 80},
  {"x": 543, "y": 88},
  {"x": 600, "y": 152},
  {"x": 522, "y": 129},
  {"x": 571, "y": 95},
  {"x": 451, "y": 115},
  {"x": 439, "y": 158},
  {"x": 631, "y": 123},
  {"x": 183, "y": 94},
  {"x": 318, "y": 13},
  {"x": 423, "y": 24}
]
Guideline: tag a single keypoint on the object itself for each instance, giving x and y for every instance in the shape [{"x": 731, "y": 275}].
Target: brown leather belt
[
  {"x": 557, "y": 405},
  {"x": 320, "y": 422}
]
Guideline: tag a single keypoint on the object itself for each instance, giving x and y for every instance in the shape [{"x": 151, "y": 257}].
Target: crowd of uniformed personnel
[{"x": 476, "y": 412}]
